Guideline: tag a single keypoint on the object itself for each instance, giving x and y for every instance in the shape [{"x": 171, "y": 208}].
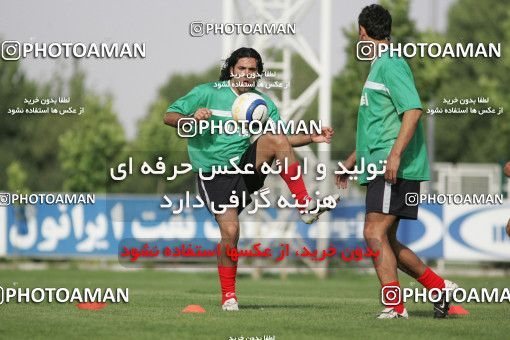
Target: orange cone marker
[
  {"x": 193, "y": 309},
  {"x": 91, "y": 305}
]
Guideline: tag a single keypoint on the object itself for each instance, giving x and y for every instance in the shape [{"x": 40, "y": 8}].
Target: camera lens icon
[
  {"x": 411, "y": 199},
  {"x": 365, "y": 50},
  {"x": 11, "y": 50},
  {"x": 5, "y": 199},
  {"x": 187, "y": 127},
  {"x": 197, "y": 29},
  {"x": 391, "y": 295}
]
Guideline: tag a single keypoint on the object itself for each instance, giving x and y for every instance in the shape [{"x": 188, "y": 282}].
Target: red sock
[
  {"x": 297, "y": 185},
  {"x": 228, "y": 282},
  {"x": 392, "y": 297},
  {"x": 430, "y": 280}
]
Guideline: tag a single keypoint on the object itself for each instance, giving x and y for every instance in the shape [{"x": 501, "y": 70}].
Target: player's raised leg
[
  {"x": 375, "y": 232},
  {"x": 277, "y": 146},
  {"x": 227, "y": 268}
]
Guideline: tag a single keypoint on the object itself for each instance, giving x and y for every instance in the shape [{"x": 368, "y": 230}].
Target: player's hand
[
  {"x": 392, "y": 164},
  {"x": 342, "y": 180},
  {"x": 202, "y": 113},
  {"x": 324, "y": 137}
]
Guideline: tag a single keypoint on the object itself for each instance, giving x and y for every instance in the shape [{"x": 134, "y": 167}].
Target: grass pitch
[{"x": 300, "y": 307}]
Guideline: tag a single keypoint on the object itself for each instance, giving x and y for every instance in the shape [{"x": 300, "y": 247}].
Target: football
[{"x": 250, "y": 107}]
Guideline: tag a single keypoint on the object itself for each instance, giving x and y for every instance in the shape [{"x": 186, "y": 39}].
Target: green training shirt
[
  {"x": 388, "y": 92},
  {"x": 206, "y": 150}
]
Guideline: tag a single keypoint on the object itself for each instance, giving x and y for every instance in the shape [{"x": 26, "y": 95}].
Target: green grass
[{"x": 300, "y": 307}]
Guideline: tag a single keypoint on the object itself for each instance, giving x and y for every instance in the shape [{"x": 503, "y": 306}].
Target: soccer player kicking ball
[
  {"x": 389, "y": 128},
  {"x": 213, "y": 101}
]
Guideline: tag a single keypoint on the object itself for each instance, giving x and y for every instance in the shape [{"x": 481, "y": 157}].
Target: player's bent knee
[
  {"x": 230, "y": 235},
  {"x": 372, "y": 231}
]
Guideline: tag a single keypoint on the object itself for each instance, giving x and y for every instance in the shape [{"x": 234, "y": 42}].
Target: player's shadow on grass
[
  {"x": 421, "y": 314},
  {"x": 243, "y": 306},
  {"x": 428, "y": 315}
]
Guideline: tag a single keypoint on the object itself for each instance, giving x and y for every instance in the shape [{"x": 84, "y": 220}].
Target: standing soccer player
[
  {"x": 213, "y": 101},
  {"x": 389, "y": 128}
]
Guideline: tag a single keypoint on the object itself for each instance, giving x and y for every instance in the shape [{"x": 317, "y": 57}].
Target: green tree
[
  {"x": 32, "y": 139},
  {"x": 90, "y": 149},
  {"x": 17, "y": 178},
  {"x": 14, "y": 88},
  {"x": 474, "y": 138}
]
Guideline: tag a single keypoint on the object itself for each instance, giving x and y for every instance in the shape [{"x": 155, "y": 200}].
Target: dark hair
[
  {"x": 243, "y": 52},
  {"x": 377, "y": 21}
]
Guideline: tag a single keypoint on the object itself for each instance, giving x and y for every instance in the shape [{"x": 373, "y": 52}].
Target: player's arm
[
  {"x": 407, "y": 129},
  {"x": 172, "y": 118},
  {"x": 399, "y": 80},
  {"x": 188, "y": 106},
  {"x": 302, "y": 139}
]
